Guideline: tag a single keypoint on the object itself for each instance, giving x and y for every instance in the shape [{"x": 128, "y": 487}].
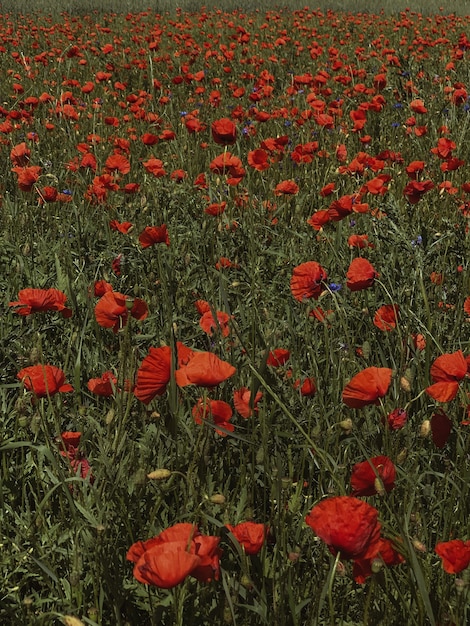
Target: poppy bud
[
  {"x": 217, "y": 498},
  {"x": 159, "y": 474},
  {"x": 379, "y": 487},
  {"x": 425, "y": 429},
  {"x": 419, "y": 545},
  {"x": 35, "y": 356},
  {"x": 405, "y": 384},
  {"x": 109, "y": 417},
  {"x": 69, "y": 620},
  {"x": 402, "y": 455},
  {"x": 346, "y": 425},
  {"x": 376, "y": 565},
  {"x": 460, "y": 585}
]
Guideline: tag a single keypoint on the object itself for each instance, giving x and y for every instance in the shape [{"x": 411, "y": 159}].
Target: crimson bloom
[
  {"x": 415, "y": 189},
  {"x": 224, "y": 131},
  {"x": 360, "y": 275},
  {"x": 104, "y": 386},
  {"x": 217, "y": 411},
  {"x": 177, "y": 552},
  {"x": 250, "y": 535},
  {"x": 376, "y": 475},
  {"x": 441, "y": 427},
  {"x": 347, "y": 525},
  {"x": 78, "y": 463},
  {"x": 243, "y": 404},
  {"x": 384, "y": 552},
  {"x": 367, "y": 387},
  {"x": 40, "y": 300},
  {"x": 286, "y": 188},
  {"x": 446, "y": 373},
  {"x": 455, "y": 555},
  {"x": 154, "y": 234},
  {"x": 306, "y": 281},
  {"x": 204, "y": 369},
  {"x": 154, "y": 374},
  {"x": 44, "y": 380},
  {"x": 208, "y": 324},
  {"x": 113, "y": 309},
  {"x": 386, "y": 317},
  {"x": 397, "y": 418}
]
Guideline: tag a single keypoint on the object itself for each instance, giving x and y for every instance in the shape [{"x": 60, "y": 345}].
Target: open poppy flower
[
  {"x": 104, "y": 386},
  {"x": 208, "y": 324},
  {"x": 455, "y": 555},
  {"x": 446, "y": 373},
  {"x": 278, "y": 357},
  {"x": 397, "y": 418},
  {"x": 306, "y": 281},
  {"x": 40, "y": 300},
  {"x": 384, "y": 553},
  {"x": 367, "y": 387},
  {"x": 347, "y": 525},
  {"x": 204, "y": 369},
  {"x": 216, "y": 410},
  {"x": 250, "y": 535},
  {"x": 376, "y": 475},
  {"x": 44, "y": 380},
  {"x": 242, "y": 402},
  {"x": 113, "y": 309},
  {"x": 79, "y": 464},
  {"x": 286, "y": 188},
  {"x": 224, "y": 131},
  {"x": 161, "y": 561},
  {"x": 360, "y": 275},
  {"x": 154, "y": 234},
  {"x": 154, "y": 374},
  {"x": 386, "y": 317}
]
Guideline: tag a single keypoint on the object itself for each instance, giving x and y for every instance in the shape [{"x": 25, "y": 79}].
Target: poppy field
[{"x": 235, "y": 318}]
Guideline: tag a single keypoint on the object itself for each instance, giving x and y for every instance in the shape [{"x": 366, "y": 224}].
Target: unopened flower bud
[
  {"x": 217, "y": 498},
  {"x": 376, "y": 565},
  {"x": 159, "y": 474},
  {"x": 425, "y": 429},
  {"x": 346, "y": 425},
  {"x": 419, "y": 545}
]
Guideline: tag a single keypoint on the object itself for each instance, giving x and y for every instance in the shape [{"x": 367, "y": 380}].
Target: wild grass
[{"x": 64, "y": 539}]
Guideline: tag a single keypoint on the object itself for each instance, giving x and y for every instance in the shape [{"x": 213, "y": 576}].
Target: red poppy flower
[
  {"x": 44, "y": 380},
  {"x": 117, "y": 163},
  {"x": 104, "y": 386},
  {"x": 154, "y": 166},
  {"x": 20, "y": 154},
  {"x": 397, "y": 418},
  {"x": 224, "y": 131},
  {"x": 386, "y": 317},
  {"x": 258, "y": 159},
  {"x": 208, "y": 324},
  {"x": 441, "y": 427},
  {"x": 101, "y": 287},
  {"x": 160, "y": 561},
  {"x": 204, "y": 369},
  {"x": 154, "y": 374},
  {"x": 455, "y": 555},
  {"x": 308, "y": 388},
  {"x": 113, "y": 309},
  {"x": 367, "y": 387},
  {"x": 250, "y": 535},
  {"x": 78, "y": 463},
  {"x": 347, "y": 525},
  {"x": 27, "y": 176},
  {"x": 306, "y": 281},
  {"x": 446, "y": 373},
  {"x": 360, "y": 275},
  {"x": 154, "y": 234},
  {"x": 375, "y": 475},
  {"x": 40, "y": 300},
  {"x": 217, "y": 411},
  {"x": 415, "y": 189},
  {"x": 242, "y": 402},
  {"x": 121, "y": 227},
  {"x": 359, "y": 241},
  {"x": 278, "y": 357},
  {"x": 286, "y": 188},
  {"x": 384, "y": 552}
]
